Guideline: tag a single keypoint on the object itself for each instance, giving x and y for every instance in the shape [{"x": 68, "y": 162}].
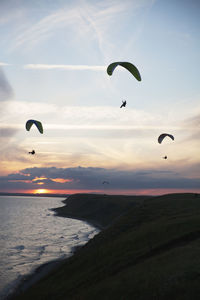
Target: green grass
[{"x": 150, "y": 252}]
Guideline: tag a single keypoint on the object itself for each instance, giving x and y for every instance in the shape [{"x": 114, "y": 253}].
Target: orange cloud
[
  {"x": 61, "y": 180},
  {"x": 39, "y": 178}
]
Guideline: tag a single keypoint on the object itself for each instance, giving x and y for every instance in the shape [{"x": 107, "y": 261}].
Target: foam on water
[{"x": 32, "y": 235}]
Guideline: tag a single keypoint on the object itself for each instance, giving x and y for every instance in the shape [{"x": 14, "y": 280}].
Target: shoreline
[
  {"x": 69, "y": 210},
  {"x": 91, "y": 223},
  {"x": 59, "y": 213},
  {"x": 28, "y": 280},
  {"x": 44, "y": 269},
  {"x": 38, "y": 273}
]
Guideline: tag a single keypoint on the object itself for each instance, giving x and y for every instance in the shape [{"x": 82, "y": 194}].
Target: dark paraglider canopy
[
  {"x": 105, "y": 182},
  {"x": 38, "y": 124},
  {"x": 123, "y": 104},
  {"x": 127, "y": 65},
  {"x": 163, "y": 135}
]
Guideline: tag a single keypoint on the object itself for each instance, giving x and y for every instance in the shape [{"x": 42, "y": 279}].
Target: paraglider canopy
[
  {"x": 163, "y": 135},
  {"x": 127, "y": 65},
  {"x": 38, "y": 124}
]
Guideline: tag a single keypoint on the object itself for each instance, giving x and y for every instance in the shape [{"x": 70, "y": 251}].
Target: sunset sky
[{"x": 53, "y": 60}]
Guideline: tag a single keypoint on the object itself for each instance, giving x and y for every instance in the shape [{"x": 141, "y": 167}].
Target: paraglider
[
  {"x": 32, "y": 152},
  {"x": 163, "y": 135},
  {"x": 130, "y": 67},
  {"x": 105, "y": 182},
  {"x": 123, "y": 104},
  {"x": 38, "y": 124}
]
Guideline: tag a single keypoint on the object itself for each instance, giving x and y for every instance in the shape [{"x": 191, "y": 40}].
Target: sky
[{"x": 53, "y": 60}]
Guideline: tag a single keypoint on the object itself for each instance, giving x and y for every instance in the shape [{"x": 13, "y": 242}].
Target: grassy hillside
[
  {"x": 151, "y": 252},
  {"x": 100, "y": 210}
]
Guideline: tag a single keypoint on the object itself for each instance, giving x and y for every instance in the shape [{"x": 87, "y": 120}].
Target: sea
[{"x": 32, "y": 235}]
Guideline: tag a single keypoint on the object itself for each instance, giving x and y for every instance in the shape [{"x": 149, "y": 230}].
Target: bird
[{"x": 165, "y": 157}]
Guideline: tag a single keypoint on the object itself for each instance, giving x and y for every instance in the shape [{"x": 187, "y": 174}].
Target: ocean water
[{"x": 31, "y": 235}]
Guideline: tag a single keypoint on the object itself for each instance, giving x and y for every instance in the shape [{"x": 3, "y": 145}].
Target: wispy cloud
[
  {"x": 103, "y": 136},
  {"x": 3, "y": 64},
  {"x": 6, "y": 91},
  {"x": 193, "y": 122},
  {"x": 192, "y": 127},
  {"x": 64, "y": 67},
  {"x": 102, "y": 121},
  {"x": 82, "y": 117},
  {"x": 82, "y": 19},
  {"x": 7, "y": 132}
]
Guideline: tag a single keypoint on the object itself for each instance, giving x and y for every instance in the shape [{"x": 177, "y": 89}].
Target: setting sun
[{"x": 41, "y": 191}]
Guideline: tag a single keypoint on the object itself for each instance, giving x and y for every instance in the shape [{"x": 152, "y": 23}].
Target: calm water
[{"x": 30, "y": 235}]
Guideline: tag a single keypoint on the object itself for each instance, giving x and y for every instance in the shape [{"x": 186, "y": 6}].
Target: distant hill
[{"x": 149, "y": 252}]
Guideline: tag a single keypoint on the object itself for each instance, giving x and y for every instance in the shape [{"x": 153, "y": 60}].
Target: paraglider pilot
[
  {"x": 123, "y": 104},
  {"x": 32, "y": 152}
]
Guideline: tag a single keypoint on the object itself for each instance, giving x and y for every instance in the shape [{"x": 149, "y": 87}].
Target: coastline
[
  {"x": 45, "y": 269},
  {"x": 70, "y": 216},
  {"x": 31, "y": 278},
  {"x": 37, "y": 274}
]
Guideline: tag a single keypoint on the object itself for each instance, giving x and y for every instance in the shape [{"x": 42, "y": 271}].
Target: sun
[{"x": 41, "y": 191}]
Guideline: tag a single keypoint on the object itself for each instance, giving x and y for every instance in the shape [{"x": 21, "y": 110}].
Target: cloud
[
  {"x": 89, "y": 178},
  {"x": 83, "y": 18},
  {"x": 76, "y": 117},
  {"x": 7, "y": 132},
  {"x": 11, "y": 10},
  {"x": 64, "y": 67},
  {"x": 192, "y": 127},
  {"x": 193, "y": 122},
  {"x": 80, "y": 20},
  {"x": 103, "y": 136},
  {"x": 10, "y": 150},
  {"x": 3, "y": 64},
  {"x": 6, "y": 91}
]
